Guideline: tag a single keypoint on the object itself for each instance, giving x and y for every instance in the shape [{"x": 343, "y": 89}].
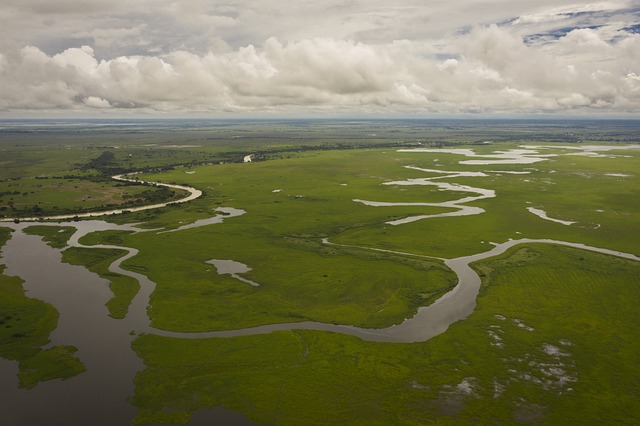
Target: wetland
[{"x": 418, "y": 278}]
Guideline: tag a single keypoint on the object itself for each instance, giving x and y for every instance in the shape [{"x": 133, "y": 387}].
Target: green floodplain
[{"x": 553, "y": 338}]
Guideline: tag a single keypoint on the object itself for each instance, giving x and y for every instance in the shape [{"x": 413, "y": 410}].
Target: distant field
[
  {"x": 54, "y": 196},
  {"x": 553, "y": 337}
]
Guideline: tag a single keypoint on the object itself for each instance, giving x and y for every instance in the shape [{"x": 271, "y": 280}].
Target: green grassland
[
  {"x": 456, "y": 378},
  {"x": 313, "y": 283},
  {"x": 55, "y": 236},
  {"x": 280, "y": 239},
  {"x": 551, "y": 341},
  {"x": 567, "y": 187},
  {"x": 25, "y": 325}
]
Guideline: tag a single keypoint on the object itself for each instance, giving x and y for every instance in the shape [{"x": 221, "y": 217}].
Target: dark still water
[
  {"x": 97, "y": 396},
  {"x": 100, "y": 395}
]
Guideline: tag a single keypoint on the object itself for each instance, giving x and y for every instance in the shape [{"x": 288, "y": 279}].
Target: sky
[{"x": 319, "y": 58}]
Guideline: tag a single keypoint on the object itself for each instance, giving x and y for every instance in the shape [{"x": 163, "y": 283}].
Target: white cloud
[
  {"x": 574, "y": 100},
  {"x": 81, "y": 59},
  {"x": 584, "y": 41},
  {"x": 562, "y": 13},
  {"x": 190, "y": 55},
  {"x": 95, "y": 102}
]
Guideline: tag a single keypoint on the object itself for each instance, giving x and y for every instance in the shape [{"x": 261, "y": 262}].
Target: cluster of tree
[
  {"x": 34, "y": 210},
  {"x": 106, "y": 164},
  {"x": 156, "y": 195}
]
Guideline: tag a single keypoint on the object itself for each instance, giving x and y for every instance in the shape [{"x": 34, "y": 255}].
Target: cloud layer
[{"x": 334, "y": 57}]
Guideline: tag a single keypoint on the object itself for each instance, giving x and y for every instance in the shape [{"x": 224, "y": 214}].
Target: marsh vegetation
[{"x": 552, "y": 337}]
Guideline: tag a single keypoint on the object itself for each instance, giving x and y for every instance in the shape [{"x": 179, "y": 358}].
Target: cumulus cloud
[
  {"x": 487, "y": 68},
  {"x": 95, "y": 102}
]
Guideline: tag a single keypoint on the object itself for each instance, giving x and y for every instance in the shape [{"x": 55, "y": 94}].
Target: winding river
[
  {"x": 429, "y": 321},
  {"x": 100, "y": 395}
]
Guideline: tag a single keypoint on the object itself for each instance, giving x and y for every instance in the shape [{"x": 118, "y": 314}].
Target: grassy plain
[
  {"x": 568, "y": 187},
  {"x": 560, "y": 306},
  {"x": 55, "y": 236},
  {"x": 552, "y": 340}
]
